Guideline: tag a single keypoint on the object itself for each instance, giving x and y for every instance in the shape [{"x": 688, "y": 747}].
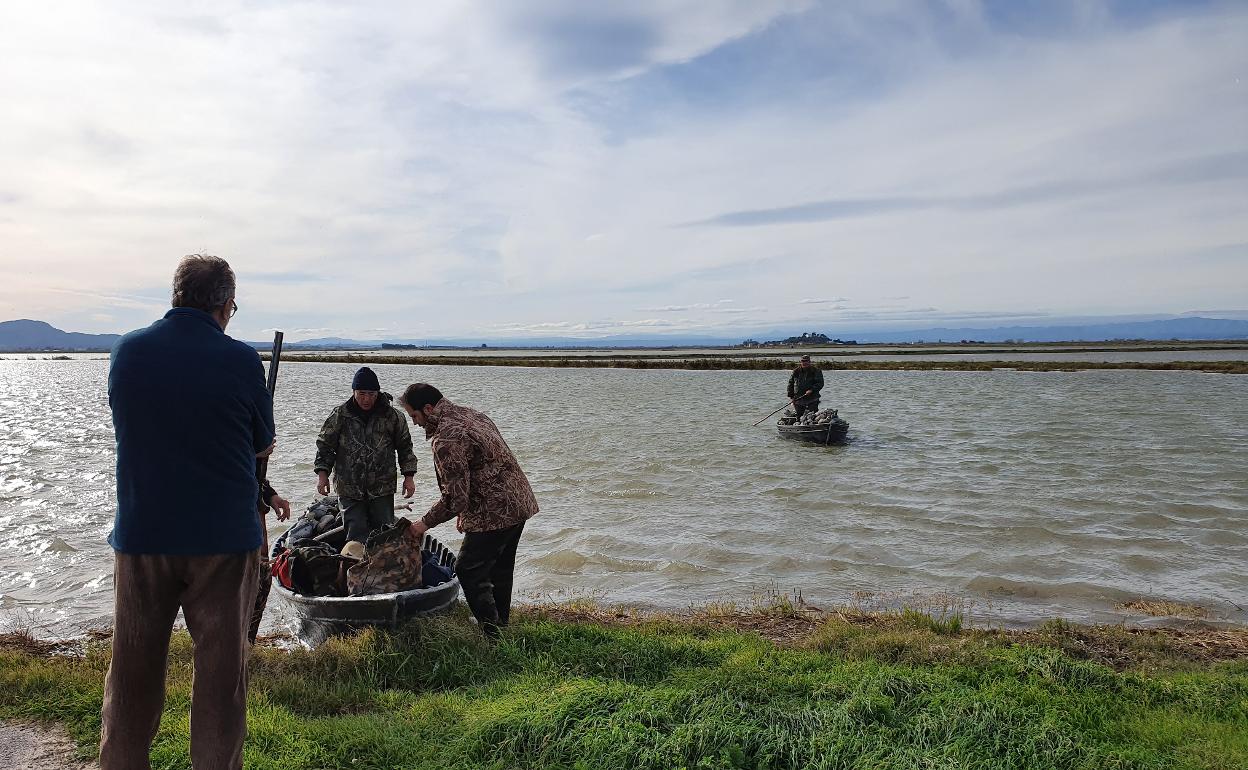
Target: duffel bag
[
  {"x": 311, "y": 568},
  {"x": 391, "y": 563}
]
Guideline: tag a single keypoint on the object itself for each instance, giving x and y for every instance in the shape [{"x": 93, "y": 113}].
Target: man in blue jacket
[{"x": 191, "y": 414}]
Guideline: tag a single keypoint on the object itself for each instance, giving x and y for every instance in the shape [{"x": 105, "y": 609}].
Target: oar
[{"x": 790, "y": 401}]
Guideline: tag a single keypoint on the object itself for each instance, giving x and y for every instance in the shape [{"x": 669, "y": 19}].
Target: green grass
[{"x": 916, "y": 692}]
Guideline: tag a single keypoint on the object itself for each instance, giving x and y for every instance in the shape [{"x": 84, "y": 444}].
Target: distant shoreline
[
  {"x": 716, "y": 362},
  {"x": 726, "y": 363},
  {"x": 756, "y": 351}
]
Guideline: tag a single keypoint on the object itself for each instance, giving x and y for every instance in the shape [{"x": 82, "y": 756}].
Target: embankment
[{"x": 587, "y": 687}]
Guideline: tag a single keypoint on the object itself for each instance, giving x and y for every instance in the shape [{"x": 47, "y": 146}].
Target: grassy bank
[
  {"x": 588, "y": 688},
  {"x": 727, "y": 363}
]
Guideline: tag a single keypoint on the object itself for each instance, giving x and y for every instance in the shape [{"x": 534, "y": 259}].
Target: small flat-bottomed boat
[
  {"x": 830, "y": 432},
  {"x": 322, "y": 616}
]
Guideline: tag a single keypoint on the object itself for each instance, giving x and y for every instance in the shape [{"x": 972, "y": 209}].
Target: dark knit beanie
[{"x": 365, "y": 380}]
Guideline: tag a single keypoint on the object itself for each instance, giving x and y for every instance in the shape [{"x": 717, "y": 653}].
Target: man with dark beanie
[
  {"x": 484, "y": 489},
  {"x": 191, "y": 413},
  {"x": 358, "y": 444}
]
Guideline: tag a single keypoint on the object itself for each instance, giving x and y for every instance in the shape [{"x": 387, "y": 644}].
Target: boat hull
[{"x": 827, "y": 433}]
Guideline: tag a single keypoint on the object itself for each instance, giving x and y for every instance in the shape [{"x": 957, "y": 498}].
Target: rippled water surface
[{"x": 1026, "y": 494}]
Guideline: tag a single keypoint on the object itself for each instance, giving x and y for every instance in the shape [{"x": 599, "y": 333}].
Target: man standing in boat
[
  {"x": 484, "y": 490},
  {"x": 358, "y": 444},
  {"x": 191, "y": 414},
  {"x": 804, "y": 386}
]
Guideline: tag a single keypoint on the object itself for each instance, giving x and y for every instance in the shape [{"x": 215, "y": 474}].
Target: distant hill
[
  {"x": 328, "y": 343},
  {"x": 27, "y": 335}
]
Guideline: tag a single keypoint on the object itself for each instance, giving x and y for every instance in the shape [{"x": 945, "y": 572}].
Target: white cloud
[
  {"x": 438, "y": 167},
  {"x": 717, "y": 305}
]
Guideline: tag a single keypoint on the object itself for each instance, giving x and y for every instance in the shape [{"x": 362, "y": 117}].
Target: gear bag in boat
[
  {"x": 391, "y": 563},
  {"x": 311, "y": 568}
]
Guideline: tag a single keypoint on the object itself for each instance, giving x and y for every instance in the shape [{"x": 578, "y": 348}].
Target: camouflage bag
[{"x": 391, "y": 563}]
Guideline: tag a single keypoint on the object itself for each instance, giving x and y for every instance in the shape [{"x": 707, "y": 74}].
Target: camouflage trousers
[
  {"x": 364, "y": 516},
  {"x": 809, "y": 405},
  {"x": 486, "y": 567}
]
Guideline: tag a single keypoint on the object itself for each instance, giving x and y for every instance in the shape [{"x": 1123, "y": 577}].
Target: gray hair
[{"x": 203, "y": 282}]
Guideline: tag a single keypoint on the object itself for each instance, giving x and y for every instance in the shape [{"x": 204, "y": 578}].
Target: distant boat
[{"x": 829, "y": 432}]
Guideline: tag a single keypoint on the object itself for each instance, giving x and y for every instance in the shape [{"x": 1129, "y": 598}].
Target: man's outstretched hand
[
  {"x": 416, "y": 532},
  {"x": 280, "y": 506}
]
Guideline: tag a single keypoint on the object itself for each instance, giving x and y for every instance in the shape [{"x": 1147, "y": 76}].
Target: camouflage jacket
[
  {"x": 481, "y": 481},
  {"x": 803, "y": 380},
  {"x": 361, "y": 452}
]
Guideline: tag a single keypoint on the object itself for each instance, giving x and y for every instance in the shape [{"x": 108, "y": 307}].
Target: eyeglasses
[{"x": 233, "y": 308}]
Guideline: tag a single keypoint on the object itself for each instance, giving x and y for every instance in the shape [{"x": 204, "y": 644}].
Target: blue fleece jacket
[{"x": 190, "y": 410}]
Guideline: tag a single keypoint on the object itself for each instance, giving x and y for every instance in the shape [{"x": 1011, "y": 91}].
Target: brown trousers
[{"x": 217, "y": 594}]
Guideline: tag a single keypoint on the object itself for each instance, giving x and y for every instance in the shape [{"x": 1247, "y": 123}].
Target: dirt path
[{"x": 35, "y": 746}]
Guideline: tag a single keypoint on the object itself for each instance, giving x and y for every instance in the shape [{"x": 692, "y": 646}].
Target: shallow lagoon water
[{"x": 1020, "y": 495}]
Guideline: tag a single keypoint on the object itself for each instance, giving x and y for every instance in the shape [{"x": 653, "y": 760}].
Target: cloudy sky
[{"x": 490, "y": 168}]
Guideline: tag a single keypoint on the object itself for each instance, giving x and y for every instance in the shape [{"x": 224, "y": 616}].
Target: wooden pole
[
  {"x": 275, "y": 358},
  {"x": 262, "y": 472},
  {"x": 791, "y": 400}
]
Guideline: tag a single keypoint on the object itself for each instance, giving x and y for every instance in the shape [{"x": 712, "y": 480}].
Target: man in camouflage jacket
[
  {"x": 484, "y": 489},
  {"x": 358, "y": 443},
  {"x": 804, "y": 386}
]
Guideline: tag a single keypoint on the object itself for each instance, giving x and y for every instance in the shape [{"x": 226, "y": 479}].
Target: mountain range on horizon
[{"x": 25, "y": 335}]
